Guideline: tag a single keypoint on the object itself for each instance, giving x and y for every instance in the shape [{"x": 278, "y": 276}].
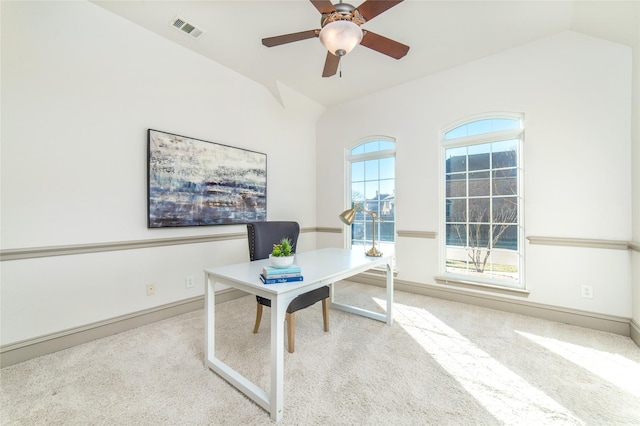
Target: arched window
[
  {"x": 371, "y": 184},
  {"x": 482, "y": 200}
]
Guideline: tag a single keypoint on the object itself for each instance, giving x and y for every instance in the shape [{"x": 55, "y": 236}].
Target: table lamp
[{"x": 349, "y": 215}]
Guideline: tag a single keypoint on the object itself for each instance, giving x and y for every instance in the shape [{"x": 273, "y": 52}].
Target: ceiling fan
[{"x": 340, "y": 31}]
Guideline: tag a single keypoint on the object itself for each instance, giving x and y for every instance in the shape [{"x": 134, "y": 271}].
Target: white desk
[{"x": 319, "y": 268}]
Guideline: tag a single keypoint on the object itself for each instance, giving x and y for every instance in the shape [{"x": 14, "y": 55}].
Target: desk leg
[
  {"x": 389, "y": 294},
  {"x": 210, "y": 315},
  {"x": 276, "y": 403}
]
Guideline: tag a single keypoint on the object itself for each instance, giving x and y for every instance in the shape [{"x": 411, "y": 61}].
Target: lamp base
[{"x": 373, "y": 252}]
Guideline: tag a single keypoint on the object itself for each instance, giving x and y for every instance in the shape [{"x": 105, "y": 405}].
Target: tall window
[
  {"x": 482, "y": 203},
  {"x": 372, "y": 185}
]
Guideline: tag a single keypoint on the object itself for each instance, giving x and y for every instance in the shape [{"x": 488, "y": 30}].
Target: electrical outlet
[
  {"x": 151, "y": 289},
  {"x": 587, "y": 291},
  {"x": 189, "y": 281}
]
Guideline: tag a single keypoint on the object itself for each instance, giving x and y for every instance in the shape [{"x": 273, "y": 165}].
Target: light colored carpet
[{"x": 440, "y": 363}]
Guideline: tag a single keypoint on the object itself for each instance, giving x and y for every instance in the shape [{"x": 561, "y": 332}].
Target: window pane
[
  {"x": 458, "y": 132},
  {"x": 368, "y": 229},
  {"x": 371, "y": 190},
  {"x": 387, "y": 168},
  {"x": 505, "y": 210},
  {"x": 479, "y": 127},
  {"x": 372, "y": 146},
  {"x": 457, "y": 260},
  {"x": 482, "y": 126},
  {"x": 387, "y": 209},
  {"x": 479, "y": 210},
  {"x": 373, "y": 206},
  {"x": 457, "y": 235},
  {"x": 387, "y": 231},
  {"x": 456, "y": 159},
  {"x": 456, "y": 210},
  {"x": 505, "y": 237},
  {"x": 357, "y": 192},
  {"x": 384, "y": 145},
  {"x": 505, "y": 264},
  {"x": 505, "y": 154},
  {"x": 478, "y": 236},
  {"x": 387, "y": 187},
  {"x": 357, "y": 171},
  {"x": 479, "y": 184},
  {"x": 504, "y": 124},
  {"x": 358, "y": 150},
  {"x": 479, "y": 157},
  {"x": 371, "y": 169},
  {"x": 456, "y": 185},
  {"x": 505, "y": 182},
  {"x": 357, "y": 231}
]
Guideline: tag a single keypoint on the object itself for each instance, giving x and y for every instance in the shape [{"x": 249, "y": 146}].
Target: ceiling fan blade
[
  {"x": 372, "y": 8},
  {"x": 330, "y": 65},
  {"x": 384, "y": 45},
  {"x": 289, "y": 38},
  {"x": 323, "y": 6}
]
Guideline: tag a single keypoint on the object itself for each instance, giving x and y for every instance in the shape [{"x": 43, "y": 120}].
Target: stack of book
[{"x": 271, "y": 275}]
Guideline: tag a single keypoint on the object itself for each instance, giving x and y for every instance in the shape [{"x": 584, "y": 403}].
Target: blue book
[
  {"x": 280, "y": 280},
  {"x": 270, "y": 270},
  {"x": 294, "y": 274}
]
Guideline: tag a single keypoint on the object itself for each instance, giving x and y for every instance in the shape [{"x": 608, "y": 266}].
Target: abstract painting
[{"x": 192, "y": 182}]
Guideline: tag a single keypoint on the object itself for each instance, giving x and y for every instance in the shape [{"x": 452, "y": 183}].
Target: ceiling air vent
[{"x": 186, "y": 27}]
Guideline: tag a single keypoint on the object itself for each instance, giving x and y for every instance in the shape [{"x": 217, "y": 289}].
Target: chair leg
[
  {"x": 258, "y": 318},
  {"x": 291, "y": 331},
  {"x": 325, "y": 313}
]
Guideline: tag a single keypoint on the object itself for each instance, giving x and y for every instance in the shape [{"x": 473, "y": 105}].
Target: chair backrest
[{"x": 263, "y": 235}]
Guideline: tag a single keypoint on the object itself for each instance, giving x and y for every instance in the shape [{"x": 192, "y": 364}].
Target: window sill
[{"x": 475, "y": 285}]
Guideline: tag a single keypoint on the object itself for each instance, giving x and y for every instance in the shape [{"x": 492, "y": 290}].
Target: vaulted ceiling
[{"x": 441, "y": 35}]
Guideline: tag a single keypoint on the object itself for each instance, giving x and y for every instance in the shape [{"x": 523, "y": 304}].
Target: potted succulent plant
[{"x": 282, "y": 254}]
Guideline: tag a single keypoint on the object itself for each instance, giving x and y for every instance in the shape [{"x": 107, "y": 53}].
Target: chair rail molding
[
  {"x": 327, "y": 230},
  {"x": 417, "y": 234},
  {"x": 66, "y": 250},
  {"x": 34, "y": 252},
  {"x": 583, "y": 242}
]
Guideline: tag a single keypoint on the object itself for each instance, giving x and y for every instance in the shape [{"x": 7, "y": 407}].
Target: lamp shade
[
  {"x": 340, "y": 37},
  {"x": 348, "y": 216}
]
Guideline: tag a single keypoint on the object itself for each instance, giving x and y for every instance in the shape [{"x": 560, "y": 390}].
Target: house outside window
[
  {"x": 482, "y": 201},
  {"x": 371, "y": 185}
]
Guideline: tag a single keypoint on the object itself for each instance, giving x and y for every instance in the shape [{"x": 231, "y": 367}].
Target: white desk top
[{"x": 324, "y": 265}]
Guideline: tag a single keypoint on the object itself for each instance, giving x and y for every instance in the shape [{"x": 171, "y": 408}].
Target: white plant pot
[{"x": 281, "y": 261}]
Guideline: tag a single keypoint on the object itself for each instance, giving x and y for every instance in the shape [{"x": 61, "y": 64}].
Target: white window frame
[
  {"x": 376, "y": 155},
  {"x": 483, "y": 138}
]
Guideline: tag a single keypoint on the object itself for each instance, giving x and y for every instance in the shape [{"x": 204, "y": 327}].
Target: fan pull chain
[{"x": 340, "y": 69}]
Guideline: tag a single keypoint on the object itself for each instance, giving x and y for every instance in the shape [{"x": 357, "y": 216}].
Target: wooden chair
[{"x": 261, "y": 237}]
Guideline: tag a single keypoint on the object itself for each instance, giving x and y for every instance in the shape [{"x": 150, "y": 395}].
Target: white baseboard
[
  {"x": 635, "y": 332},
  {"x": 32, "y": 348},
  {"x": 592, "y": 320}
]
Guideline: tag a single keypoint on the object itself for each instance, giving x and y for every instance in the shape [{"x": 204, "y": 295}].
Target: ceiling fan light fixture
[{"x": 340, "y": 37}]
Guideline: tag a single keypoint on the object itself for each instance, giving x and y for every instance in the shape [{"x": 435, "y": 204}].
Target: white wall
[
  {"x": 80, "y": 87},
  {"x": 575, "y": 92}
]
